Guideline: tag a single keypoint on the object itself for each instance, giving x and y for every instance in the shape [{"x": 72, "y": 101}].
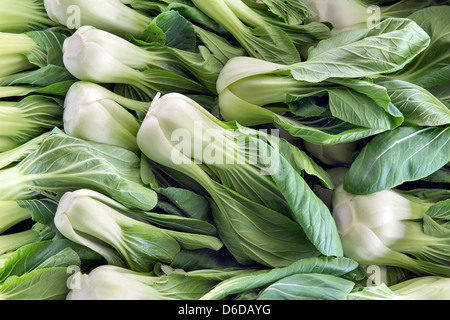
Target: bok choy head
[
  {"x": 111, "y": 15},
  {"x": 61, "y": 163},
  {"x": 112, "y": 230},
  {"x": 243, "y": 172},
  {"x": 392, "y": 228},
  {"x": 94, "y": 113},
  {"x": 323, "y": 89},
  {"x": 98, "y": 56},
  {"x": 347, "y": 15},
  {"x": 108, "y": 282}
]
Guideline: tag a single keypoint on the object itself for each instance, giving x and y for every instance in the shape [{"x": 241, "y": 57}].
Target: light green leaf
[{"x": 42, "y": 284}]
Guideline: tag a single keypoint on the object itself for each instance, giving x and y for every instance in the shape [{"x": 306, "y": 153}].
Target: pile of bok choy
[{"x": 224, "y": 150}]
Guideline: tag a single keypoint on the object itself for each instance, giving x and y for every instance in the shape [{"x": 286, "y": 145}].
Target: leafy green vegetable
[
  {"x": 347, "y": 15},
  {"x": 431, "y": 67},
  {"x": 253, "y": 91},
  {"x": 29, "y": 286},
  {"x": 111, "y": 15},
  {"x": 263, "y": 278},
  {"x": 129, "y": 285},
  {"x": 229, "y": 168},
  {"x": 105, "y": 226},
  {"x": 392, "y": 228},
  {"x": 266, "y": 41},
  {"x": 308, "y": 287},
  {"x": 94, "y": 113},
  {"x": 398, "y": 156},
  {"x": 98, "y": 56},
  {"x": 419, "y": 106},
  {"x": 62, "y": 163},
  {"x": 45, "y": 72},
  {"x": 13, "y": 241},
  {"x": 224, "y": 150},
  {"x": 420, "y": 288}
]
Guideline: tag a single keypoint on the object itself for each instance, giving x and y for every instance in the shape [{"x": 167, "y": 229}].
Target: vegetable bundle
[{"x": 224, "y": 150}]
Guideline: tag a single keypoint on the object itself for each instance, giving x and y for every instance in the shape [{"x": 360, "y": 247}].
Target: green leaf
[
  {"x": 418, "y": 105},
  {"x": 43, "y": 254},
  {"x": 430, "y": 68},
  {"x": 337, "y": 266},
  {"x": 401, "y": 155},
  {"x": 360, "y": 53},
  {"x": 197, "y": 17},
  {"x": 41, "y": 210},
  {"x": 265, "y": 42},
  {"x": 171, "y": 29},
  {"x": 183, "y": 287},
  {"x": 50, "y": 75},
  {"x": 182, "y": 224},
  {"x": 308, "y": 287},
  {"x": 63, "y": 163},
  {"x": 202, "y": 64},
  {"x": 301, "y": 162},
  {"x": 42, "y": 284},
  {"x": 252, "y": 232},
  {"x": 324, "y": 130},
  {"x": 308, "y": 210},
  {"x": 291, "y": 11},
  {"x": 204, "y": 259},
  {"x": 50, "y": 43},
  {"x": 272, "y": 44},
  {"x": 163, "y": 81},
  {"x": 436, "y": 219},
  {"x": 145, "y": 248},
  {"x": 219, "y": 46},
  {"x": 193, "y": 205}
]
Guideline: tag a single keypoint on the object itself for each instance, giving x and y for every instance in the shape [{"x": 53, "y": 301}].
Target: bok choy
[
  {"x": 325, "y": 100},
  {"x": 115, "y": 283},
  {"x": 107, "y": 227},
  {"x": 395, "y": 229},
  {"x": 228, "y": 162},
  {"x": 62, "y": 163},
  {"x": 111, "y": 15},
  {"x": 98, "y": 56},
  {"x": 94, "y": 113}
]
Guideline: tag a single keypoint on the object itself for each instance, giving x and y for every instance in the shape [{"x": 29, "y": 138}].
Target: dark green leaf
[{"x": 401, "y": 155}]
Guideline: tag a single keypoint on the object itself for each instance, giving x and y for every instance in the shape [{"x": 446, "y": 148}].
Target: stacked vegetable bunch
[{"x": 224, "y": 149}]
